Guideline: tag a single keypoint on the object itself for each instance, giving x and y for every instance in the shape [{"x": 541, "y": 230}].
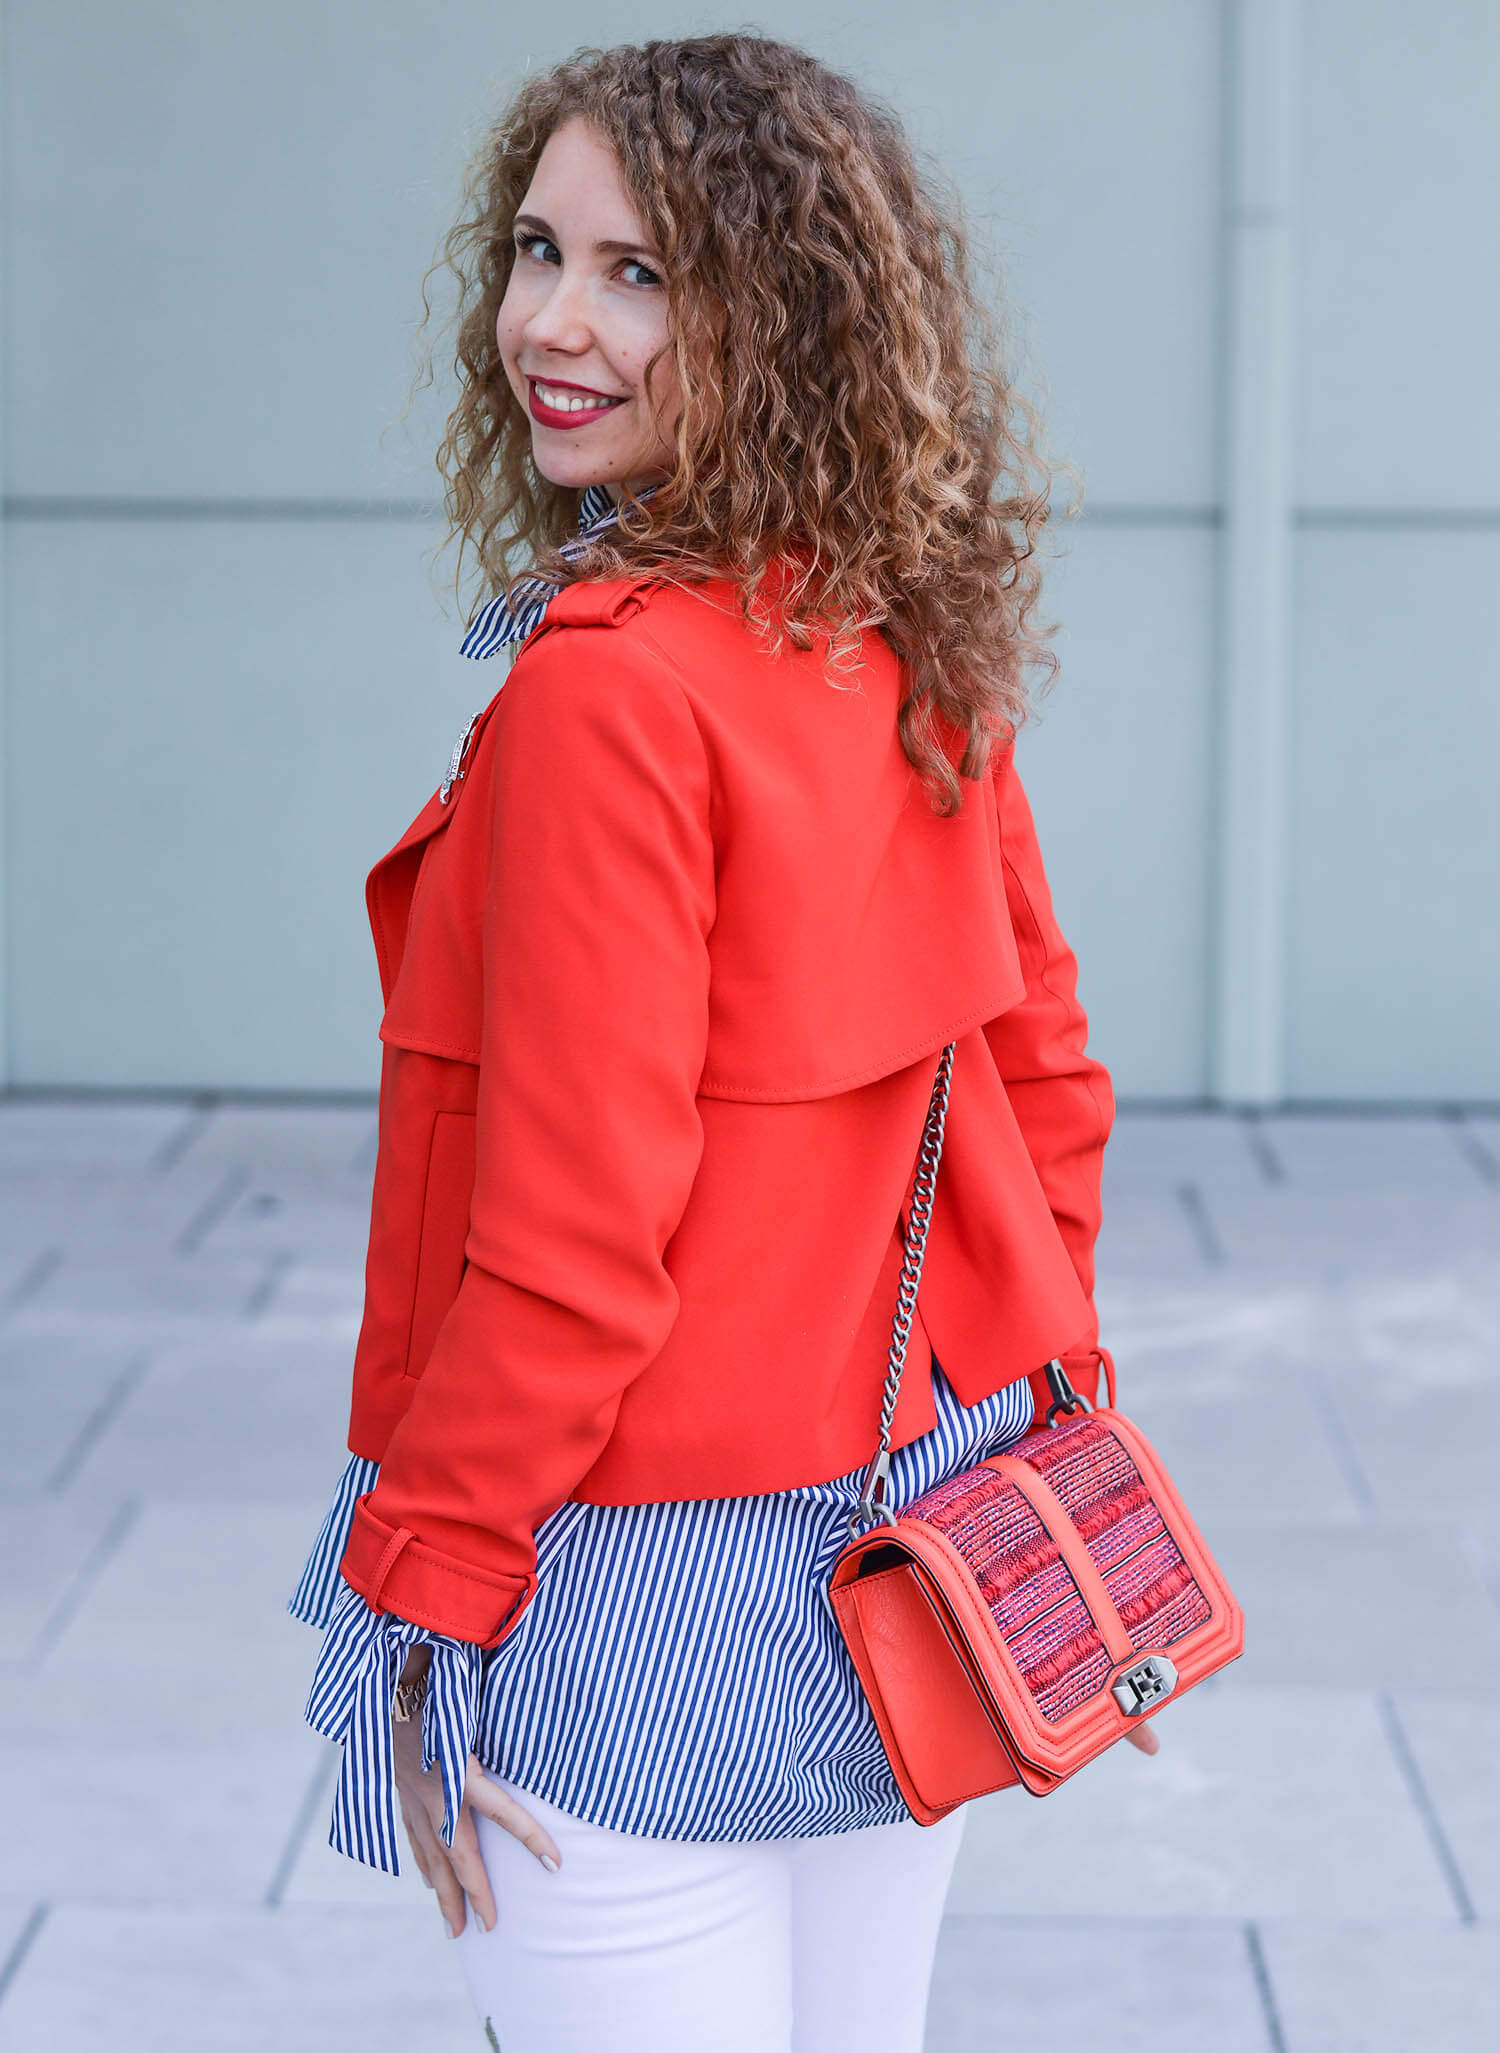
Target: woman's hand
[
  {"x": 1143, "y": 1736},
  {"x": 458, "y": 1874}
]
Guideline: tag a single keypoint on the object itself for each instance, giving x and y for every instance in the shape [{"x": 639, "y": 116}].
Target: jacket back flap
[{"x": 855, "y": 929}]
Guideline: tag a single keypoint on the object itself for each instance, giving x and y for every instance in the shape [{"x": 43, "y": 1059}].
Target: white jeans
[{"x": 816, "y": 1945}]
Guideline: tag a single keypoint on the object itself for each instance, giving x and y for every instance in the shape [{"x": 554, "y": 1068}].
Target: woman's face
[{"x": 584, "y": 312}]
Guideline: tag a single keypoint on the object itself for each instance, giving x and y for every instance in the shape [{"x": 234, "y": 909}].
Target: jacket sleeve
[
  {"x": 587, "y": 1137},
  {"x": 1061, "y": 1096}
]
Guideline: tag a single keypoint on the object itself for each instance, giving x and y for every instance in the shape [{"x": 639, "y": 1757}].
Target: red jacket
[{"x": 666, "y": 981}]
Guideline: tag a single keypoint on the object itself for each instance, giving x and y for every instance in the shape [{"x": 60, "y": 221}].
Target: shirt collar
[{"x": 503, "y": 620}]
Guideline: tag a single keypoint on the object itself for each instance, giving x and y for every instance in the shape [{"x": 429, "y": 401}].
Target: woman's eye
[{"x": 531, "y": 243}]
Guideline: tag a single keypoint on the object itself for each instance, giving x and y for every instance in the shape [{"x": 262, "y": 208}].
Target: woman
[{"x": 668, "y": 961}]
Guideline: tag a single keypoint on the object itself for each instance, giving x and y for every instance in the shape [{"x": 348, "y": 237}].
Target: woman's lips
[{"x": 596, "y": 406}]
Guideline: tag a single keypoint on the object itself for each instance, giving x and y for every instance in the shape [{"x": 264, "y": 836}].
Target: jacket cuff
[{"x": 395, "y": 1571}]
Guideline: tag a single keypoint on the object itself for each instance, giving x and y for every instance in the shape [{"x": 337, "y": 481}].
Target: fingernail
[
  {"x": 452, "y": 1928},
  {"x": 549, "y": 1863}
]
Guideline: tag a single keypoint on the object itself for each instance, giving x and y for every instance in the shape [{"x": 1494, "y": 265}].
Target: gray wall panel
[
  {"x": 1086, "y": 141},
  {"x": 220, "y": 218},
  {"x": 292, "y": 695},
  {"x": 1400, "y": 290},
  {"x": 223, "y": 725},
  {"x": 216, "y": 223},
  {"x": 1119, "y": 774},
  {"x": 1395, "y": 836}
]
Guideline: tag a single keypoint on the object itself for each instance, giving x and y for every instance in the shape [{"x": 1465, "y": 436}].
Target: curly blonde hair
[{"x": 844, "y": 401}]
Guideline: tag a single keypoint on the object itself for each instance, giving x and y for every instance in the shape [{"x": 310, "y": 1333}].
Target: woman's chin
[
  {"x": 573, "y": 471},
  {"x": 558, "y": 471}
]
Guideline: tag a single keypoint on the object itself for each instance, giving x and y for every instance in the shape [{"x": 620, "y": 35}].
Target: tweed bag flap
[{"x": 1020, "y": 1617}]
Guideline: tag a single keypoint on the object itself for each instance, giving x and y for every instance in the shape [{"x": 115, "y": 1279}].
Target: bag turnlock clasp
[{"x": 1144, "y": 1685}]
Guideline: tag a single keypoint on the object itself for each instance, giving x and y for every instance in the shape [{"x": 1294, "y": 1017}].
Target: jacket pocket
[{"x": 445, "y": 1228}]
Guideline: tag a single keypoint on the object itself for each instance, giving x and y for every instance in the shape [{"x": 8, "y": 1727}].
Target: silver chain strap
[{"x": 872, "y": 1502}]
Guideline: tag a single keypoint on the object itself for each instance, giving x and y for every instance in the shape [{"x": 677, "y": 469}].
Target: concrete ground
[{"x": 1306, "y": 1316}]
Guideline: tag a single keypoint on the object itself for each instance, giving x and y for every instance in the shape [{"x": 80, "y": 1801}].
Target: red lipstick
[{"x": 555, "y": 417}]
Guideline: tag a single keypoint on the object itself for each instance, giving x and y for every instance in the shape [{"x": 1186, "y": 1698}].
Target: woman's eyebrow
[{"x": 603, "y": 249}]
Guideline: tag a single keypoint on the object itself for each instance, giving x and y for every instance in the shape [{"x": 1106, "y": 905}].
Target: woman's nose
[{"x": 561, "y": 321}]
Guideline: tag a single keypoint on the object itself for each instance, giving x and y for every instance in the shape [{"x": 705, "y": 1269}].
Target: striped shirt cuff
[
  {"x": 319, "y": 1585},
  {"x": 353, "y": 1689}
]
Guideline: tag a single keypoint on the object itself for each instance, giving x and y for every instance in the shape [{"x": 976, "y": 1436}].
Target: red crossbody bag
[{"x": 1019, "y": 1618}]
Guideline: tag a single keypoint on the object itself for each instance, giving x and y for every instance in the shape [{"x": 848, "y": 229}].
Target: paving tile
[
  {"x": 297, "y": 1217},
  {"x": 1424, "y": 1461},
  {"x": 1207, "y": 1336},
  {"x": 272, "y": 1140},
  {"x": 167, "y": 1288},
  {"x": 1376, "y": 1231},
  {"x": 1177, "y": 1985},
  {"x": 1350, "y": 1152},
  {"x": 27, "y": 1257},
  {"x": 108, "y": 1214},
  {"x": 138, "y": 1301},
  {"x": 1157, "y": 1151},
  {"x": 1245, "y": 1455},
  {"x": 241, "y": 1415},
  {"x": 314, "y": 1297},
  {"x": 47, "y": 1547},
  {"x": 54, "y": 1394},
  {"x": 184, "y": 1635},
  {"x": 1300, "y": 1351},
  {"x": 1325, "y": 1604},
  {"x": 1360, "y": 1988},
  {"x": 1148, "y": 1235},
  {"x": 28, "y": 1252},
  {"x": 1417, "y": 1338},
  {"x": 86, "y": 1134},
  {"x": 182, "y": 1980},
  {"x": 1455, "y": 1741},
  {"x": 1481, "y": 1535},
  {"x": 16, "y": 1913},
  {"x": 132, "y": 1823},
  {"x": 1261, "y": 1802}
]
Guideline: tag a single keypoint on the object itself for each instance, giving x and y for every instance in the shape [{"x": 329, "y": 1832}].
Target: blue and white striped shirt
[
  {"x": 678, "y": 1672},
  {"x": 501, "y": 622}
]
